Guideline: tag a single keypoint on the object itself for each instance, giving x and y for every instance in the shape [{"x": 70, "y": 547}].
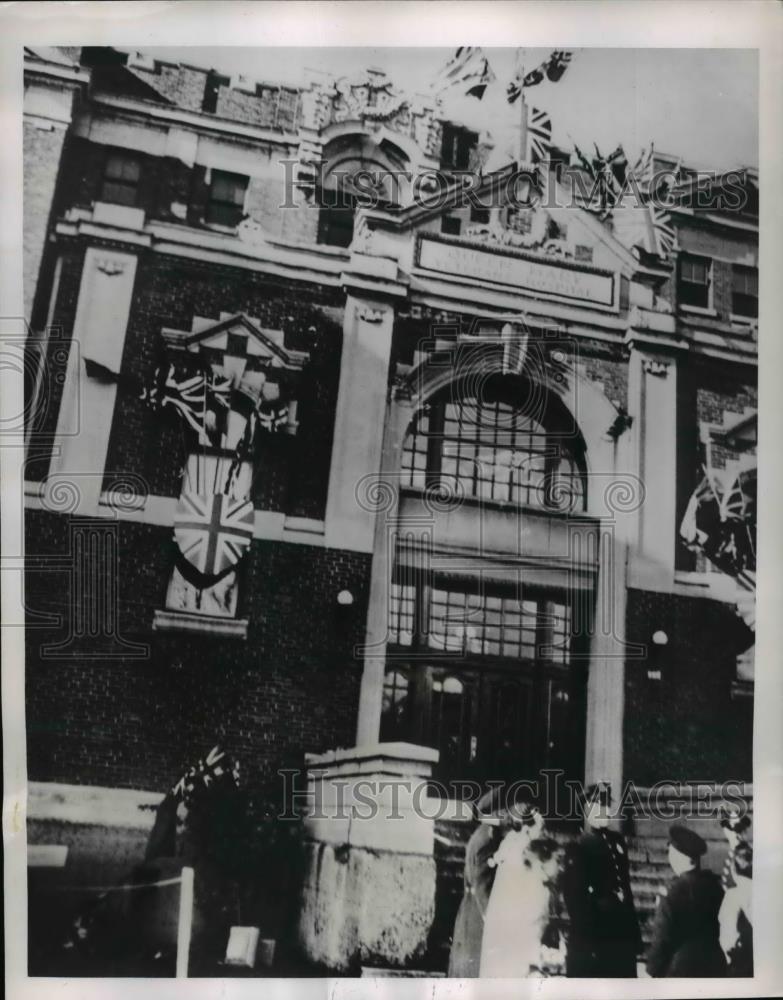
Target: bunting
[{"x": 552, "y": 68}]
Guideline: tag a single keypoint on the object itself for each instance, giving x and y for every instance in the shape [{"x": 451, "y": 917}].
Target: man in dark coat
[
  {"x": 603, "y": 938},
  {"x": 685, "y": 939}
]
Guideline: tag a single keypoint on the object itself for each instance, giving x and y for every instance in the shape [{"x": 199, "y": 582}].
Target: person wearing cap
[
  {"x": 604, "y": 937},
  {"x": 733, "y": 823},
  {"x": 685, "y": 932},
  {"x": 479, "y": 876}
]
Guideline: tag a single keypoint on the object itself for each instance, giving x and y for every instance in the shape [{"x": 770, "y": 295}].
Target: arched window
[{"x": 496, "y": 447}]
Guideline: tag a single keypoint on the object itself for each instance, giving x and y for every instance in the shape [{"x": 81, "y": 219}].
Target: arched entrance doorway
[{"x": 492, "y": 584}]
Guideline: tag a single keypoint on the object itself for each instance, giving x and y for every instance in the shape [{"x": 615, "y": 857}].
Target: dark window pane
[
  {"x": 694, "y": 283},
  {"x": 745, "y": 291},
  {"x": 226, "y": 198},
  {"x": 120, "y": 179}
]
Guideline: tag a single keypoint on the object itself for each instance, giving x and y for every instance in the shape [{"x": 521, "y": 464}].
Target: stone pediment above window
[{"x": 235, "y": 341}]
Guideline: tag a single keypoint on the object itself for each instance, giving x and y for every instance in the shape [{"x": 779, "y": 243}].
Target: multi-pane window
[
  {"x": 745, "y": 291},
  {"x": 694, "y": 281},
  {"x": 475, "y": 623},
  {"x": 226, "y": 204},
  {"x": 121, "y": 179},
  {"x": 395, "y": 705},
  {"x": 401, "y": 606},
  {"x": 494, "y": 452}
]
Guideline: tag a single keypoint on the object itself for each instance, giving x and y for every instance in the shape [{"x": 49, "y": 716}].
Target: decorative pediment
[{"x": 235, "y": 344}]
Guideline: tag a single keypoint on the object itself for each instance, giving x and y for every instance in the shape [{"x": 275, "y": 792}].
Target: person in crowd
[
  {"x": 734, "y": 823},
  {"x": 519, "y": 908},
  {"x": 604, "y": 937},
  {"x": 736, "y": 916},
  {"x": 685, "y": 931},
  {"x": 494, "y": 821}
]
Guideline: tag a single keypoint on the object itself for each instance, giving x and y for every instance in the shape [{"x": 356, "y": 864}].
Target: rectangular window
[
  {"x": 745, "y": 291},
  {"x": 121, "y": 175},
  {"x": 479, "y": 216},
  {"x": 226, "y": 204},
  {"x": 456, "y": 146},
  {"x": 466, "y": 622},
  {"x": 694, "y": 281},
  {"x": 214, "y": 82},
  {"x": 450, "y": 225}
]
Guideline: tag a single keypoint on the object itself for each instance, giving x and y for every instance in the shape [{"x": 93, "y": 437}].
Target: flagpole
[{"x": 522, "y": 158}]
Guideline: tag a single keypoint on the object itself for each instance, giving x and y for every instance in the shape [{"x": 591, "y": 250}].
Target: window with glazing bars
[
  {"x": 483, "y": 624},
  {"x": 745, "y": 291},
  {"x": 226, "y": 198},
  {"x": 491, "y": 451},
  {"x": 121, "y": 175}
]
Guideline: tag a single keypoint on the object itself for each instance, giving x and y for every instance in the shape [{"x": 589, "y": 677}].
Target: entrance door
[{"x": 488, "y": 722}]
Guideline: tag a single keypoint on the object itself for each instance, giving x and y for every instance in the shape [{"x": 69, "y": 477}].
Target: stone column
[
  {"x": 369, "y": 880},
  {"x": 359, "y": 421},
  {"x": 606, "y": 678},
  {"x": 87, "y": 409}
]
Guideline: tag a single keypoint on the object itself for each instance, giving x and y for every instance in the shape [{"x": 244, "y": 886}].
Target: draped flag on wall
[
  {"x": 720, "y": 521},
  {"x": 212, "y": 533}
]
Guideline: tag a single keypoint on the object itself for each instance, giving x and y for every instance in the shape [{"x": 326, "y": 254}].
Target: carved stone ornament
[
  {"x": 370, "y": 314},
  {"x": 110, "y": 265},
  {"x": 251, "y": 231},
  {"x": 660, "y": 369}
]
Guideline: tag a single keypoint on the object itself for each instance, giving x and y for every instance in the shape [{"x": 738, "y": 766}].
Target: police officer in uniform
[
  {"x": 685, "y": 940},
  {"x": 604, "y": 938}
]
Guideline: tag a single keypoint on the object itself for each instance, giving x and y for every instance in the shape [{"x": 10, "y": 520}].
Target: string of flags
[
  {"x": 470, "y": 71},
  {"x": 552, "y": 69}
]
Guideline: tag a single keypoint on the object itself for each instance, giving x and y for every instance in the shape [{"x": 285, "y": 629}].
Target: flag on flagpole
[
  {"x": 663, "y": 231},
  {"x": 539, "y": 132},
  {"x": 468, "y": 70},
  {"x": 642, "y": 170}
]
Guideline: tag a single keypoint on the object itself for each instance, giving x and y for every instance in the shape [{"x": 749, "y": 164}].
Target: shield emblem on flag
[{"x": 213, "y": 531}]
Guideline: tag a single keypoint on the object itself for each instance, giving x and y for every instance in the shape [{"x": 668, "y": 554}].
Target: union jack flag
[
  {"x": 539, "y": 132},
  {"x": 213, "y": 532},
  {"x": 664, "y": 231}
]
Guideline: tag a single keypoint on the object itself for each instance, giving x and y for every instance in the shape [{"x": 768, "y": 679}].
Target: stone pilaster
[
  {"x": 359, "y": 420},
  {"x": 87, "y": 411},
  {"x": 652, "y": 401}
]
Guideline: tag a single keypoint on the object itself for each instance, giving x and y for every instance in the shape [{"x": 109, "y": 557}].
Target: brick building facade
[{"x": 166, "y": 205}]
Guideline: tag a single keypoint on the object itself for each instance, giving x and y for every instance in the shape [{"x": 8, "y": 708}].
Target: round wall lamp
[
  {"x": 660, "y": 638},
  {"x": 345, "y": 598}
]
